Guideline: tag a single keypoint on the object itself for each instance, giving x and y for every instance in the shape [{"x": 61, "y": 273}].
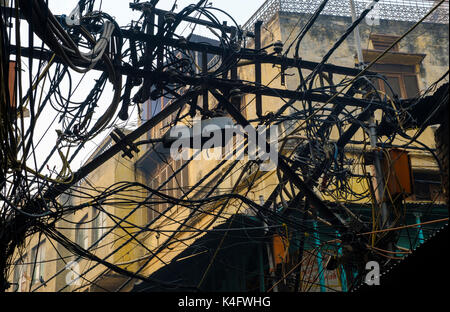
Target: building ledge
[{"x": 393, "y": 57}]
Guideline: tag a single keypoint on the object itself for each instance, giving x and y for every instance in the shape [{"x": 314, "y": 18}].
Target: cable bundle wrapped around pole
[{"x": 106, "y": 49}]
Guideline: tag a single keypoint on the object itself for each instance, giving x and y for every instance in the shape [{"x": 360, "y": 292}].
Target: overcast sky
[{"x": 241, "y": 10}]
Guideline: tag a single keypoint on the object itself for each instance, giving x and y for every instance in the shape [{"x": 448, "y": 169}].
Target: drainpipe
[
  {"x": 372, "y": 131},
  {"x": 319, "y": 258},
  {"x": 357, "y": 36}
]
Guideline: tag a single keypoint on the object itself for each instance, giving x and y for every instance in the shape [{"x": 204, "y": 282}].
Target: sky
[{"x": 240, "y": 10}]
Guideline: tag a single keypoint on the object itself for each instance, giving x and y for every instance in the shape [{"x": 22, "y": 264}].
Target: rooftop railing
[{"x": 397, "y": 10}]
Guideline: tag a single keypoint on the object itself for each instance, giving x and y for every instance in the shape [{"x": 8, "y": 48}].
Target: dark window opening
[
  {"x": 427, "y": 185},
  {"x": 382, "y": 42}
]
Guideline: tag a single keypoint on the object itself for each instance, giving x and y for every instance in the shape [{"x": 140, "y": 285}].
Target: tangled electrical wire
[{"x": 315, "y": 139}]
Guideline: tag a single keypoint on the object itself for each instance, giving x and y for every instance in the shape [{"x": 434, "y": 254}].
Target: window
[
  {"x": 17, "y": 275},
  {"x": 400, "y": 80},
  {"x": 178, "y": 181},
  {"x": 398, "y": 67},
  {"x": 82, "y": 233},
  {"x": 427, "y": 185},
  {"x": 37, "y": 260},
  {"x": 155, "y": 182},
  {"x": 150, "y": 208},
  {"x": 172, "y": 182},
  {"x": 20, "y": 275},
  {"x": 163, "y": 179},
  {"x": 99, "y": 224},
  {"x": 155, "y": 107},
  {"x": 173, "y": 188}
]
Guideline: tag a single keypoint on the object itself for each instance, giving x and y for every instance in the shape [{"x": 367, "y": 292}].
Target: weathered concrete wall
[{"x": 427, "y": 38}]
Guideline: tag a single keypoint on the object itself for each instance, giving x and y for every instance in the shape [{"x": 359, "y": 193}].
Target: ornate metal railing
[{"x": 399, "y": 10}]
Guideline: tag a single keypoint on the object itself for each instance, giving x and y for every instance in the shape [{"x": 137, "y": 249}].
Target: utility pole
[
  {"x": 357, "y": 36},
  {"x": 378, "y": 172},
  {"x": 269, "y": 252}
]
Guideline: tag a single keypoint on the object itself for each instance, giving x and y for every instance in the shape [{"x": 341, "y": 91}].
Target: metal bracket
[{"x": 74, "y": 18}]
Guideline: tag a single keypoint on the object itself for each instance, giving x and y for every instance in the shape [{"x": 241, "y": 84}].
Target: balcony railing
[{"x": 397, "y": 10}]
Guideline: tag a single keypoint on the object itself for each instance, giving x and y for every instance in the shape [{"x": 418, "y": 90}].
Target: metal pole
[
  {"x": 149, "y": 30},
  {"x": 378, "y": 174},
  {"x": 258, "y": 75},
  {"x": 269, "y": 251},
  {"x": 372, "y": 131},
  {"x": 357, "y": 35}
]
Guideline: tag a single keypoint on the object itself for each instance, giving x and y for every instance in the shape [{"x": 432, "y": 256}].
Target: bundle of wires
[{"x": 68, "y": 44}]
